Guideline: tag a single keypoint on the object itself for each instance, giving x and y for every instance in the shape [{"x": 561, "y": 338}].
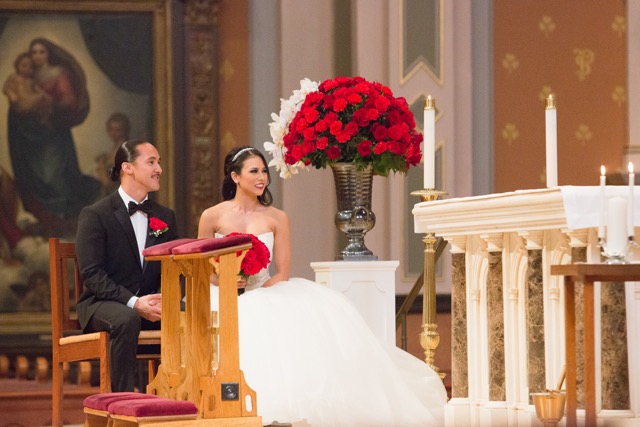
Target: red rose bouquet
[
  {"x": 157, "y": 226},
  {"x": 255, "y": 259},
  {"x": 346, "y": 119}
]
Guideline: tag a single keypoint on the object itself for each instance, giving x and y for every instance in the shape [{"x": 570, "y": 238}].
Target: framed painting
[{"x": 79, "y": 77}]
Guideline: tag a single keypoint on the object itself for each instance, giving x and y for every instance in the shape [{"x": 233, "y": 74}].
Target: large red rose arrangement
[
  {"x": 255, "y": 259},
  {"x": 346, "y": 119}
]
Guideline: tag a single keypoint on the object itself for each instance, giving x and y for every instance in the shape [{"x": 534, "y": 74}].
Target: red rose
[
  {"x": 364, "y": 148},
  {"x": 343, "y": 137},
  {"x": 309, "y": 134},
  {"x": 380, "y": 148},
  {"x": 255, "y": 259},
  {"x": 354, "y": 98},
  {"x": 395, "y": 132},
  {"x": 333, "y": 152},
  {"x": 339, "y": 105},
  {"x": 322, "y": 143},
  {"x": 321, "y": 126},
  {"x": 300, "y": 125},
  {"x": 380, "y": 133},
  {"x": 382, "y": 104},
  {"x": 394, "y": 118},
  {"x": 157, "y": 226},
  {"x": 351, "y": 128},
  {"x": 311, "y": 115},
  {"x": 335, "y": 128},
  {"x": 361, "y": 117}
]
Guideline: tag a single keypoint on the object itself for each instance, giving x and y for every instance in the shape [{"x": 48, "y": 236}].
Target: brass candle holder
[{"x": 429, "y": 337}]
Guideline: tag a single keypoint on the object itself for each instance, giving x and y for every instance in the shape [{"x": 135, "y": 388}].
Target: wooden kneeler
[
  {"x": 96, "y": 406},
  {"x": 151, "y": 412},
  {"x": 221, "y": 396}
]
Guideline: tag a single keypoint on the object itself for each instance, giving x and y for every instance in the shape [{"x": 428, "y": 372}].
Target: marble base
[{"x": 370, "y": 286}]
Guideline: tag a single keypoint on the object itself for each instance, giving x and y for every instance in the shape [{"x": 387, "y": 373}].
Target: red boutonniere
[
  {"x": 157, "y": 226},
  {"x": 255, "y": 259}
]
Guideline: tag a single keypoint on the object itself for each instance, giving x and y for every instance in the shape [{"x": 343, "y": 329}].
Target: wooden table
[{"x": 586, "y": 274}]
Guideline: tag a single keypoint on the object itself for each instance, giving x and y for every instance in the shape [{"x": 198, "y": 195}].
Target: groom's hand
[{"x": 149, "y": 307}]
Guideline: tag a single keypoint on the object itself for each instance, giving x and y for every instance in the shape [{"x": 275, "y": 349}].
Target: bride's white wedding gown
[{"x": 312, "y": 360}]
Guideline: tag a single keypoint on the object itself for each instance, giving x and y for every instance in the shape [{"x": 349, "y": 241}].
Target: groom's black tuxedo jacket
[{"x": 108, "y": 255}]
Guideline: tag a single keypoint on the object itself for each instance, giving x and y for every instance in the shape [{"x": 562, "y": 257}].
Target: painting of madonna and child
[{"x": 74, "y": 87}]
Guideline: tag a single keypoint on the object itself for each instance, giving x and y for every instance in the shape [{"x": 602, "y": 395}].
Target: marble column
[
  {"x": 615, "y": 366},
  {"x": 534, "y": 304},
  {"x": 459, "y": 359},
  {"x": 495, "y": 318},
  {"x": 579, "y": 254}
]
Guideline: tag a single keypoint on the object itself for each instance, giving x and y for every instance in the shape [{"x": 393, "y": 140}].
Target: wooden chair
[{"x": 68, "y": 342}]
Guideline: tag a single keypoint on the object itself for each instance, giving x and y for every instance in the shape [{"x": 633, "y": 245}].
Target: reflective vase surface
[{"x": 354, "y": 217}]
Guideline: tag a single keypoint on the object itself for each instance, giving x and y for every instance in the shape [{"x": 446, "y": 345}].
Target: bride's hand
[{"x": 242, "y": 283}]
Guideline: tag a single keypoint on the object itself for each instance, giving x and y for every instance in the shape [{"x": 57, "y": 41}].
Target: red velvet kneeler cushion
[
  {"x": 101, "y": 401},
  {"x": 165, "y": 248},
  {"x": 160, "y": 407},
  {"x": 211, "y": 244}
]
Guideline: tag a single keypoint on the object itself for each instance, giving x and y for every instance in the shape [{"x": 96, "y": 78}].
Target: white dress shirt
[{"x": 140, "y": 222}]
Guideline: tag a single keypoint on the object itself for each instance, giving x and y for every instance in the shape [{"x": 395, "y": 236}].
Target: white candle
[
  {"x": 429, "y": 143},
  {"x": 552, "y": 142},
  {"x": 603, "y": 204},
  {"x": 617, "y": 225},
  {"x": 632, "y": 178}
]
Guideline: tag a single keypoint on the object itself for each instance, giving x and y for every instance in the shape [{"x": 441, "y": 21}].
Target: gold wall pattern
[
  {"x": 547, "y": 26},
  {"x": 576, "y": 51}
]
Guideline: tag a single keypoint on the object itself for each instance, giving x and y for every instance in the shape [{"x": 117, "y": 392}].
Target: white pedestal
[{"x": 370, "y": 285}]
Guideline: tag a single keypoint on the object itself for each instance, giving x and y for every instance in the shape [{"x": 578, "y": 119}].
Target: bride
[{"x": 304, "y": 348}]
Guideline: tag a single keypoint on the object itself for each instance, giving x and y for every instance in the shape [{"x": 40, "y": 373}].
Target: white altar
[{"x": 507, "y": 310}]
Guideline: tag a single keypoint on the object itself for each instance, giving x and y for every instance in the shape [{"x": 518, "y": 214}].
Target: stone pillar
[
  {"x": 534, "y": 303},
  {"x": 459, "y": 358},
  {"x": 578, "y": 243},
  {"x": 495, "y": 318},
  {"x": 615, "y": 366}
]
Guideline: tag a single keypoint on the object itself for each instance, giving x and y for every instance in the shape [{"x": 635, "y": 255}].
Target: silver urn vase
[{"x": 354, "y": 217}]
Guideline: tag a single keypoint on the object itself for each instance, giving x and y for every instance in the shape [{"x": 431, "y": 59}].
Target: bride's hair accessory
[{"x": 240, "y": 152}]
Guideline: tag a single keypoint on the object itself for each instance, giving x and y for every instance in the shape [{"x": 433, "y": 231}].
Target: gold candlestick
[{"x": 429, "y": 337}]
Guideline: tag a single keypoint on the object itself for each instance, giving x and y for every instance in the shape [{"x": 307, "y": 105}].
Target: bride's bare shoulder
[
  {"x": 211, "y": 217},
  {"x": 216, "y": 209},
  {"x": 277, "y": 214}
]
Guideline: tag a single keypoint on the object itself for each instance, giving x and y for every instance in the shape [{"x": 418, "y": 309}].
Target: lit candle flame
[
  {"x": 603, "y": 171},
  {"x": 630, "y": 167}
]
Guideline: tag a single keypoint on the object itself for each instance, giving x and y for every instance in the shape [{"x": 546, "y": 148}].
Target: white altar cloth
[{"x": 582, "y": 204}]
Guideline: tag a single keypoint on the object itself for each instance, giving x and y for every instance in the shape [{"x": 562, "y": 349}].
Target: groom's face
[{"x": 144, "y": 172}]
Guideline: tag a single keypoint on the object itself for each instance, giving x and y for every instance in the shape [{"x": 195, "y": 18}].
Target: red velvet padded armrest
[
  {"x": 160, "y": 407},
  {"x": 211, "y": 244},
  {"x": 101, "y": 401},
  {"x": 165, "y": 248}
]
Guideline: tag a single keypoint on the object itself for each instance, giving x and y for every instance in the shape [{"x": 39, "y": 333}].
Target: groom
[{"x": 121, "y": 289}]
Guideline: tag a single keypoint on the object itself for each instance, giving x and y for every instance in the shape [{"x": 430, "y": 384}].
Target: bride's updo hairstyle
[
  {"x": 233, "y": 162},
  {"x": 127, "y": 152}
]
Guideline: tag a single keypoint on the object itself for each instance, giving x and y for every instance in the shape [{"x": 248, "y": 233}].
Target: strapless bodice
[{"x": 263, "y": 275}]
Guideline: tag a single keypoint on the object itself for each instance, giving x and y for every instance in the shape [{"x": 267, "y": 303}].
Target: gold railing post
[{"x": 429, "y": 337}]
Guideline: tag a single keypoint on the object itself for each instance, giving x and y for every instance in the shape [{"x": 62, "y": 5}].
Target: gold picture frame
[{"x": 85, "y": 30}]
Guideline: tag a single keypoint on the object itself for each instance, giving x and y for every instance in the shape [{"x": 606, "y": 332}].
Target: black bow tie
[{"x": 144, "y": 207}]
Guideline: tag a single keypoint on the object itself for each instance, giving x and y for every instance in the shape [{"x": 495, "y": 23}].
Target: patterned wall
[{"x": 575, "y": 50}]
